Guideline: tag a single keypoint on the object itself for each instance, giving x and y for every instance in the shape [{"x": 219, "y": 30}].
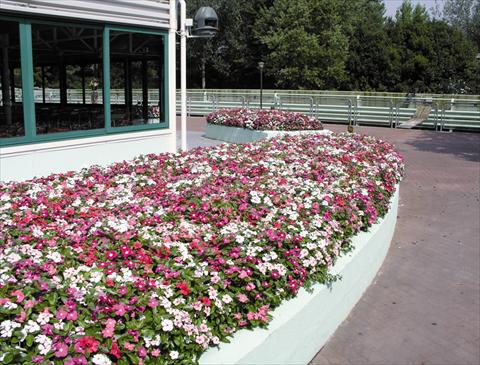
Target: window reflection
[
  {"x": 68, "y": 79},
  {"x": 11, "y": 103},
  {"x": 136, "y": 78}
]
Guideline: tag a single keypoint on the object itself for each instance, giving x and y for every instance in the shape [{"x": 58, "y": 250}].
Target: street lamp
[
  {"x": 207, "y": 27},
  {"x": 261, "y": 66}
]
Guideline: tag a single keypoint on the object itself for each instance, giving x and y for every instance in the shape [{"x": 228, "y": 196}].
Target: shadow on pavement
[{"x": 461, "y": 145}]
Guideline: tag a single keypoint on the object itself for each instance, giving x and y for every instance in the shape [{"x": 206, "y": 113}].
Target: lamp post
[
  {"x": 207, "y": 27},
  {"x": 261, "y": 65}
]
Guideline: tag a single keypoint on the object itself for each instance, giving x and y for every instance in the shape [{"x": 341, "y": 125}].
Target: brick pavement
[{"x": 424, "y": 305}]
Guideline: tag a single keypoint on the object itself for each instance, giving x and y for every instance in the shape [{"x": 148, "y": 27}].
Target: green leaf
[{"x": 29, "y": 340}]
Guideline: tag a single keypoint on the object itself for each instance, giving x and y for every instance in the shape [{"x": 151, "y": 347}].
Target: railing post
[
  {"x": 397, "y": 115},
  {"x": 349, "y": 103},
  {"x": 435, "y": 124},
  {"x": 390, "y": 113}
]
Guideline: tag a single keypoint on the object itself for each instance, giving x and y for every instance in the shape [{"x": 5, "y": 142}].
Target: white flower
[
  {"x": 96, "y": 276},
  {"x": 100, "y": 359},
  {"x": 31, "y": 327},
  {"x": 167, "y": 325},
  {"x": 55, "y": 257},
  {"x": 10, "y": 305},
  {"x": 44, "y": 318},
  {"x": 13, "y": 258},
  {"x": 7, "y": 327},
  {"x": 227, "y": 299},
  {"x": 256, "y": 199},
  {"x": 173, "y": 355},
  {"x": 44, "y": 344}
]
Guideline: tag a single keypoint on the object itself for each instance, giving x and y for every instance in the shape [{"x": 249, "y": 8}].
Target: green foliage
[
  {"x": 369, "y": 46},
  {"x": 307, "y": 42},
  {"x": 464, "y": 14},
  {"x": 339, "y": 44}
]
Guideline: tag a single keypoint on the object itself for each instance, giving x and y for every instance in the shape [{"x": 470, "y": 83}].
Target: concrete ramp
[{"x": 421, "y": 115}]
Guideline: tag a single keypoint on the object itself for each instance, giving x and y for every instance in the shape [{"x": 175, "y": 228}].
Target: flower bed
[
  {"x": 153, "y": 261},
  {"x": 264, "y": 120}
]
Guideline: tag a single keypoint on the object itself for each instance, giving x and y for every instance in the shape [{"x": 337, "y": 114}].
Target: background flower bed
[
  {"x": 152, "y": 261},
  {"x": 264, "y": 119}
]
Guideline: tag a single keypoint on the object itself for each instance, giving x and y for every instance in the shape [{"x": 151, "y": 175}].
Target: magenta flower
[
  {"x": 72, "y": 316},
  {"x": 61, "y": 314},
  {"x": 61, "y": 349}
]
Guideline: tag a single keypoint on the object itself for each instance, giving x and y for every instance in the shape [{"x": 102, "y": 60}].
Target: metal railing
[{"x": 388, "y": 111}]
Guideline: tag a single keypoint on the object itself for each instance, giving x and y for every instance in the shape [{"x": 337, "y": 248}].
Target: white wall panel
[
  {"x": 154, "y": 13},
  {"x": 19, "y": 163}
]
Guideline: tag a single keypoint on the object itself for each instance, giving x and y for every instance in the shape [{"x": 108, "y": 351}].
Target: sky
[{"x": 392, "y": 5}]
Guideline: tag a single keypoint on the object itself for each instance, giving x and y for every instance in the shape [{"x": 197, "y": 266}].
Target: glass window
[
  {"x": 67, "y": 72},
  {"x": 136, "y": 78},
  {"x": 11, "y": 103},
  {"x": 75, "y": 92}
]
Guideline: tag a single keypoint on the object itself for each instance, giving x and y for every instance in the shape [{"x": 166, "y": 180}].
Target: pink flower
[
  {"x": 72, "y": 315},
  {"x": 153, "y": 302},
  {"x": 242, "y": 298},
  {"x": 111, "y": 255},
  {"x": 110, "y": 323},
  {"x": 155, "y": 353},
  {"x": 115, "y": 350},
  {"x": 142, "y": 352},
  {"x": 21, "y": 318},
  {"x": 61, "y": 349},
  {"x": 128, "y": 346},
  {"x": 20, "y": 296},
  {"x": 86, "y": 344},
  {"x": 108, "y": 332},
  {"x": 61, "y": 314}
]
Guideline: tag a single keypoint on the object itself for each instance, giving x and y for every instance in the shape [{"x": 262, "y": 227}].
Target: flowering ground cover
[
  {"x": 154, "y": 260},
  {"x": 264, "y": 119}
]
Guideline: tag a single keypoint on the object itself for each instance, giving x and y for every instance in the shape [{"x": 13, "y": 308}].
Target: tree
[
  {"x": 231, "y": 57},
  {"x": 306, "y": 43},
  {"x": 465, "y": 15},
  {"x": 368, "y": 46},
  {"x": 410, "y": 35},
  {"x": 453, "y": 63}
]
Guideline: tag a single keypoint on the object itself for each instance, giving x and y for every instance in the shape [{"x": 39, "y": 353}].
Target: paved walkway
[{"x": 424, "y": 305}]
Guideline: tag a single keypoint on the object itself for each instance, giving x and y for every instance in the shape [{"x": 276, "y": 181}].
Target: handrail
[{"x": 386, "y": 111}]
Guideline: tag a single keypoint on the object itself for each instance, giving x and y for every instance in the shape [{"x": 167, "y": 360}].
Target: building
[{"x": 84, "y": 82}]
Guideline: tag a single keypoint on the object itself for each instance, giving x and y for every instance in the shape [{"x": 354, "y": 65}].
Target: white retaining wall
[
  {"x": 302, "y": 326},
  {"x": 27, "y": 161},
  {"x": 241, "y": 135}
]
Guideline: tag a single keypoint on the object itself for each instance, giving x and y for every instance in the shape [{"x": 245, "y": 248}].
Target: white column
[
  {"x": 183, "y": 72},
  {"x": 172, "y": 71}
]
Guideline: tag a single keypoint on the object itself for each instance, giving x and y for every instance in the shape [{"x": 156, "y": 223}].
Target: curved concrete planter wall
[
  {"x": 301, "y": 326},
  {"x": 241, "y": 135}
]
